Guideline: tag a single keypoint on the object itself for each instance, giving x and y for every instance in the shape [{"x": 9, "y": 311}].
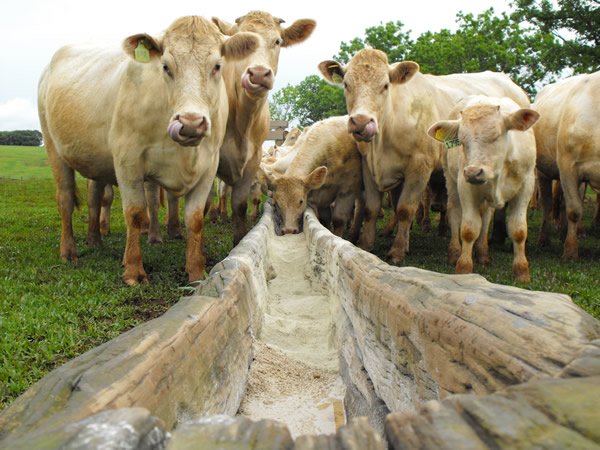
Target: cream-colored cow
[
  {"x": 391, "y": 108},
  {"x": 154, "y": 111},
  {"x": 490, "y": 164},
  {"x": 248, "y": 84},
  {"x": 568, "y": 146},
  {"x": 326, "y": 169}
]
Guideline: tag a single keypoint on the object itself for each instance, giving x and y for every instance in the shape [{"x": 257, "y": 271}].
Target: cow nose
[
  {"x": 261, "y": 76},
  {"x": 290, "y": 230},
  {"x": 475, "y": 174},
  {"x": 188, "y": 128},
  {"x": 362, "y": 127}
]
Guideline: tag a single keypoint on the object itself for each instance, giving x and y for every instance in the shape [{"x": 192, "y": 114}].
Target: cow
[
  {"x": 568, "y": 148},
  {"x": 249, "y": 82},
  {"x": 325, "y": 170},
  {"x": 154, "y": 111},
  {"x": 490, "y": 164},
  {"x": 390, "y": 109}
]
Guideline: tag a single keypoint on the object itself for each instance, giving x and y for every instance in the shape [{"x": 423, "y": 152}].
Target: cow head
[
  {"x": 257, "y": 73},
  {"x": 290, "y": 195},
  {"x": 482, "y": 131},
  {"x": 366, "y": 80},
  {"x": 189, "y": 57}
]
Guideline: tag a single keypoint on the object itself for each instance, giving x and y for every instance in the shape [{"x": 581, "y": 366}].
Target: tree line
[
  {"x": 535, "y": 44},
  {"x": 31, "y": 138}
]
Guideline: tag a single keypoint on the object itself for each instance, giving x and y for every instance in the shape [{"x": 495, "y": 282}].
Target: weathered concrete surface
[{"x": 410, "y": 341}]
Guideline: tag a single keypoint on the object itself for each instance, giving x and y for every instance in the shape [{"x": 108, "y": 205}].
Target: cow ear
[
  {"x": 240, "y": 45},
  {"x": 521, "y": 120},
  {"x": 403, "y": 71},
  {"x": 297, "y": 32},
  {"x": 316, "y": 178},
  {"x": 267, "y": 176},
  {"x": 445, "y": 131},
  {"x": 142, "y": 47},
  {"x": 332, "y": 71},
  {"x": 225, "y": 27}
]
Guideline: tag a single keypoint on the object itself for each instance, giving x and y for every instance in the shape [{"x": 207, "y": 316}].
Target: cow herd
[{"x": 178, "y": 109}]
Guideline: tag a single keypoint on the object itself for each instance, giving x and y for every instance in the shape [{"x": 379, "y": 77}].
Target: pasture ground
[{"x": 51, "y": 311}]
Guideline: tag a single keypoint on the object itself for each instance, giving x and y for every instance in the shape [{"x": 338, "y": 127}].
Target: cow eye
[
  {"x": 217, "y": 68},
  {"x": 386, "y": 86},
  {"x": 167, "y": 70},
  {"x": 277, "y": 42},
  {"x": 301, "y": 201},
  {"x": 345, "y": 85}
]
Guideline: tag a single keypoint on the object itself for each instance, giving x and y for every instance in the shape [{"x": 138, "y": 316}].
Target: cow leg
[
  {"x": 481, "y": 244},
  {"x": 66, "y": 198},
  {"x": 224, "y": 193},
  {"x": 239, "y": 198},
  {"x": 358, "y": 217},
  {"x": 107, "y": 200},
  {"x": 517, "y": 230},
  {"x": 574, "y": 209},
  {"x": 373, "y": 200},
  {"x": 424, "y": 220},
  {"x": 393, "y": 196},
  {"x": 195, "y": 202},
  {"x": 454, "y": 213},
  {"x": 545, "y": 201},
  {"x": 414, "y": 185},
  {"x": 596, "y": 220},
  {"x": 342, "y": 211},
  {"x": 173, "y": 222},
  {"x": 136, "y": 219},
  {"x": 470, "y": 230},
  {"x": 152, "y": 192},
  {"x": 95, "y": 194},
  {"x": 255, "y": 198}
]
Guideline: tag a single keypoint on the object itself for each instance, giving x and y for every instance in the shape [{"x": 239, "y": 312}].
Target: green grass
[
  {"x": 23, "y": 163},
  {"x": 52, "y": 311}
]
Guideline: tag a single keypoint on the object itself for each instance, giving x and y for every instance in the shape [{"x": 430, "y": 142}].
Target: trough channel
[{"x": 308, "y": 342}]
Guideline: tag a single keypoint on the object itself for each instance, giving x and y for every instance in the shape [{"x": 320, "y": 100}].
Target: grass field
[{"x": 51, "y": 312}]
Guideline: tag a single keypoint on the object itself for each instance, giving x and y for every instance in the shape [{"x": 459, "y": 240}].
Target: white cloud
[{"x": 18, "y": 114}]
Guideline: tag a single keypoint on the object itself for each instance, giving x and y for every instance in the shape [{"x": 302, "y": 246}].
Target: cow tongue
[
  {"x": 369, "y": 130},
  {"x": 174, "y": 129},
  {"x": 249, "y": 85}
]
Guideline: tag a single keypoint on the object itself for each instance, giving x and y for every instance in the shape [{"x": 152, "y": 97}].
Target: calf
[
  {"x": 490, "y": 163},
  {"x": 326, "y": 169},
  {"x": 155, "y": 111}
]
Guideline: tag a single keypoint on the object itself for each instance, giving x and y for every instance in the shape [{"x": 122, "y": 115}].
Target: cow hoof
[
  {"x": 396, "y": 256},
  {"x": 135, "y": 279},
  {"x": 155, "y": 239}
]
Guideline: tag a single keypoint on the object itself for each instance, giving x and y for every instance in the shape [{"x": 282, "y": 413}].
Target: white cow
[
  {"x": 568, "y": 146},
  {"x": 490, "y": 164},
  {"x": 154, "y": 111}
]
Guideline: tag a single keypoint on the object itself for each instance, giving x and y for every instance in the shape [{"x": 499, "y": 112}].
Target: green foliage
[
  {"x": 488, "y": 42},
  {"x": 388, "y": 37},
  {"x": 576, "y": 26},
  {"x": 311, "y": 100},
  {"x": 21, "y": 137}
]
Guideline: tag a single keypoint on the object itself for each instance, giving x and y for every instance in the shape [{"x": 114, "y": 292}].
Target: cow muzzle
[
  {"x": 257, "y": 80},
  {"x": 188, "y": 129},
  {"x": 362, "y": 127},
  {"x": 475, "y": 174}
]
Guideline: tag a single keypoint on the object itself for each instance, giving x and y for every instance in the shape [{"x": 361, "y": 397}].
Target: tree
[
  {"x": 309, "y": 101},
  {"x": 21, "y": 137},
  {"x": 388, "y": 37},
  {"x": 488, "y": 42},
  {"x": 576, "y": 26}
]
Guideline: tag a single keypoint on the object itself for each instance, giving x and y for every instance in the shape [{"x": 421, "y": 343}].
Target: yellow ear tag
[
  {"x": 141, "y": 53},
  {"x": 439, "y": 134},
  {"x": 449, "y": 142}
]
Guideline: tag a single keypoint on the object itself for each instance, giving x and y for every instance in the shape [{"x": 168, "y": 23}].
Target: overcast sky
[{"x": 32, "y": 30}]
